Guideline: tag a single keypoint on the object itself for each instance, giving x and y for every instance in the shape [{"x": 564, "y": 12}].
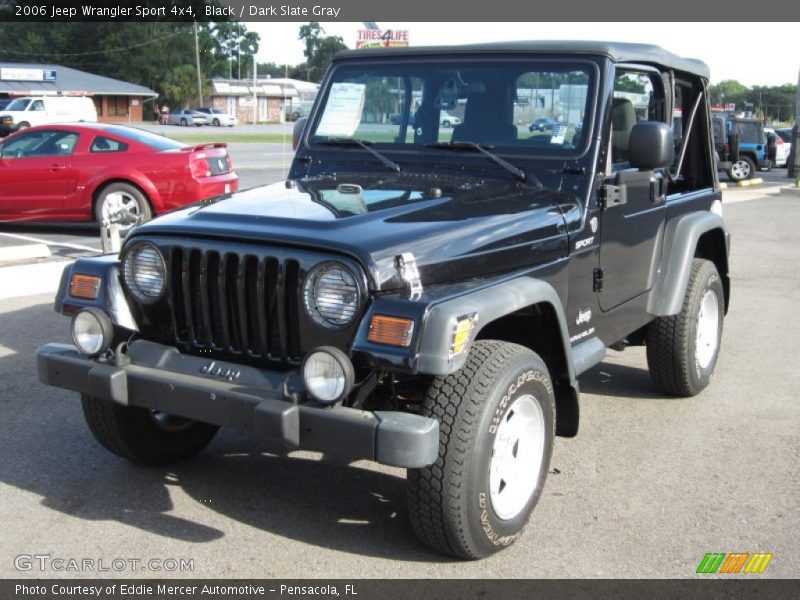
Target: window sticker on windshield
[
  {"x": 343, "y": 109},
  {"x": 559, "y": 131}
]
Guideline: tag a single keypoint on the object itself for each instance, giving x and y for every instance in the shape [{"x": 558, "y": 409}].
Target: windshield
[
  {"x": 19, "y": 104},
  {"x": 522, "y": 107},
  {"x": 153, "y": 140}
]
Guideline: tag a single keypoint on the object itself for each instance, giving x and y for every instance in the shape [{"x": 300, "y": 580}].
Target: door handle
[{"x": 55, "y": 168}]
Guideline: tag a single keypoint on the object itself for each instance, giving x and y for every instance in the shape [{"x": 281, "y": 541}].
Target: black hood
[{"x": 456, "y": 227}]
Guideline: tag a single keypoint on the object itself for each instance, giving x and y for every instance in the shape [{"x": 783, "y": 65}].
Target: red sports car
[{"x": 67, "y": 172}]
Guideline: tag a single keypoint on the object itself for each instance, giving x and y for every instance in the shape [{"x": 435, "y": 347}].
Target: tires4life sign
[{"x": 374, "y": 38}]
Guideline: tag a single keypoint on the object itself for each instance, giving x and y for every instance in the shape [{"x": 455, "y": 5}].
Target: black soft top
[{"x": 617, "y": 51}]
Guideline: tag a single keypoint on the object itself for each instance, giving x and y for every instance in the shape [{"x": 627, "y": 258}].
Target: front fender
[
  {"x": 110, "y": 297},
  {"x": 490, "y": 303}
]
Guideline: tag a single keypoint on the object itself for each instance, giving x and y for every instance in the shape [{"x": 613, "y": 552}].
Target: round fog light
[
  {"x": 328, "y": 374},
  {"x": 92, "y": 331}
]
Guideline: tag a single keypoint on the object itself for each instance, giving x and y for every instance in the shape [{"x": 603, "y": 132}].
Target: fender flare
[
  {"x": 680, "y": 242},
  {"x": 489, "y": 303},
  {"x": 102, "y": 179}
]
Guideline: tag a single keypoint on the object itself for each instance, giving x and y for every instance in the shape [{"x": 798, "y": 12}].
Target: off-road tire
[
  {"x": 672, "y": 352},
  {"x": 450, "y": 503},
  {"x": 131, "y": 432}
]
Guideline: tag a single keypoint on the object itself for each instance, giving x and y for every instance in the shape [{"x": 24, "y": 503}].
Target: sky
[{"x": 777, "y": 62}]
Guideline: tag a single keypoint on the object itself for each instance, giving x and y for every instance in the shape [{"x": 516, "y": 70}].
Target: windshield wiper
[
  {"x": 361, "y": 144},
  {"x": 483, "y": 150}
]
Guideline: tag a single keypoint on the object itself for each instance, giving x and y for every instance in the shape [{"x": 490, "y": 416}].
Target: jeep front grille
[{"x": 236, "y": 303}]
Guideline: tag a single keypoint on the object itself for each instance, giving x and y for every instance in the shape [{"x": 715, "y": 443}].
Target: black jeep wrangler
[{"x": 422, "y": 296}]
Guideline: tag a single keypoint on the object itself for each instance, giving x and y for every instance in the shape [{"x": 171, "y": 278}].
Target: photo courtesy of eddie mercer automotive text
[{"x": 429, "y": 282}]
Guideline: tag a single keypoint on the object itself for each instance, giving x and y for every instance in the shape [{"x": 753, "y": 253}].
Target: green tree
[{"x": 319, "y": 49}]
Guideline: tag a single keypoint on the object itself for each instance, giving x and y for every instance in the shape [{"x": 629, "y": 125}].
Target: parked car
[
  {"x": 68, "y": 172},
  {"x": 40, "y": 110},
  {"x": 186, "y": 117},
  {"x": 448, "y": 120},
  {"x": 783, "y": 144},
  {"x": 217, "y": 117},
  {"x": 786, "y": 135},
  {"x": 297, "y": 110},
  {"x": 543, "y": 124},
  {"x": 752, "y": 143}
]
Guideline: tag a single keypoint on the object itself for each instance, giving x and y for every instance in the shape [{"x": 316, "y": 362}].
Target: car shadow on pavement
[
  {"x": 614, "y": 379},
  {"x": 47, "y": 450}
]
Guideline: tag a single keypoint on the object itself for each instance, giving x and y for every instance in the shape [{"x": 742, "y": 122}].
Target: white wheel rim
[
  {"x": 707, "y": 329},
  {"x": 517, "y": 457},
  {"x": 740, "y": 169},
  {"x": 129, "y": 203}
]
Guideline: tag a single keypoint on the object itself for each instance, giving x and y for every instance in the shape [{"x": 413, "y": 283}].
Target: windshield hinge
[
  {"x": 407, "y": 265},
  {"x": 611, "y": 195}
]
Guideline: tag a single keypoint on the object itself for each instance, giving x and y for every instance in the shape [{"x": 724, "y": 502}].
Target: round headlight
[
  {"x": 328, "y": 374},
  {"x": 145, "y": 272},
  {"x": 331, "y": 295},
  {"x": 92, "y": 331}
]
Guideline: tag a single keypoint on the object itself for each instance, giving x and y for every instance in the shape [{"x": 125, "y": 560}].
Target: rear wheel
[
  {"x": 132, "y": 200},
  {"x": 682, "y": 350},
  {"x": 145, "y": 436},
  {"x": 742, "y": 169},
  {"x": 496, "y": 419},
  {"x": 184, "y": 123}
]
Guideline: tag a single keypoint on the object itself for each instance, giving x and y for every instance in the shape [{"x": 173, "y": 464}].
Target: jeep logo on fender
[{"x": 227, "y": 373}]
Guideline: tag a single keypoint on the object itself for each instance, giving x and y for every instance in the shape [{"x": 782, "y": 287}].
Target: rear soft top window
[{"x": 153, "y": 140}]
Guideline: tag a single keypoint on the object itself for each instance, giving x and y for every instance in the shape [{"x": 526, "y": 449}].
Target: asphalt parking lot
[{"x": 648, "y": 487}]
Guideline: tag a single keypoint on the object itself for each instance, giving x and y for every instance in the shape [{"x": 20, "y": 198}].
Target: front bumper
[{"x": 257, "y": 401}]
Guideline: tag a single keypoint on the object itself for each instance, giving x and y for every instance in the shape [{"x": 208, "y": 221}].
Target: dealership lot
[{"x": 648, "y": 487}]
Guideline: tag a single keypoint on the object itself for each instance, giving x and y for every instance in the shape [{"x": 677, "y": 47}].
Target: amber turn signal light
[
  {"x": 84, "y": 286},
  {"x": 392, "y": 331}
]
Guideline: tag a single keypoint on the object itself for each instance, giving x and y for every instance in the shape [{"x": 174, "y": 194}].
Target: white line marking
[
  {"x": 49, "y": 243},
  {"x": 31, "y": 280}
]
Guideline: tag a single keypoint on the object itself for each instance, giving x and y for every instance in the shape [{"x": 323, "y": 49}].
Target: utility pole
[
  {"x": 197, "y": 61},
  {"x": 794, "y": 167}
]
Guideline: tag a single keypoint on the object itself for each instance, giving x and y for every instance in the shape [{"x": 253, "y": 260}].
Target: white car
[
  {"x": 217, "y": 117},
  {"x": 186, "y": 117},
  {"x": 783, "y": 145},
  {"x": 448, "y": 120}
]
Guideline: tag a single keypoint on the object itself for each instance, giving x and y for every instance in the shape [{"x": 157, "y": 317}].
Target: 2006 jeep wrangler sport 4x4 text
[{"x": 423, "y": 296}]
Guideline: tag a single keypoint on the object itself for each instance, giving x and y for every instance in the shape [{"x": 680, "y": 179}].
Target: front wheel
[
  {"x": 446, "y": 124},
  {"x": 144, "y": 436},
  {"x": 216, "y": 122},
  {"x": 742, "y": 169},
  {"x": 496, "y": 423},
  {"x": 682, "y": 350}
]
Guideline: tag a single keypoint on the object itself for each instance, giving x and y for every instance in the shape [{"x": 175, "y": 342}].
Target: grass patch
[{"x": 232, "y": 138}]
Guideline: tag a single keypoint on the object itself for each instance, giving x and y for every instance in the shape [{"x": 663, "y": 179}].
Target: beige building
[{"x": 268, "y": 100}]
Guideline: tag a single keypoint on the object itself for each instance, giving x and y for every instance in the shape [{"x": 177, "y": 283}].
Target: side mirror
[
  {"x": 297, "y": 131},
  {"x": 652, "y": 145}
]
